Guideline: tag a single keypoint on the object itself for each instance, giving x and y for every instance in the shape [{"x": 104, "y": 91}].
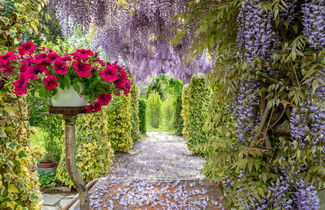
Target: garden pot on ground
[
  {"x": 46, "y": 167},
  {"x": 68, "y": 97}
]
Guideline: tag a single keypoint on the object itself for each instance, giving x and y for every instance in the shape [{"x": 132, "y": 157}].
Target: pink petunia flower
[
  {"x": 50, "y": 82},
  {"x": 84, "y": 53},
  {"x": 104, "y": 99},
  {"x": 61, "y": 67},
  {"x": 109, "y": 74},
  {"x": 26, "y": 48},
  {"x": 6, "y": 58},
  {"x": 52, "y": 57},
  {"x": 82, "y": 69}
]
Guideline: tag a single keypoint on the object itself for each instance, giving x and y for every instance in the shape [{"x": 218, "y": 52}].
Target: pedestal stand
[{"x": 70, "y": 115}]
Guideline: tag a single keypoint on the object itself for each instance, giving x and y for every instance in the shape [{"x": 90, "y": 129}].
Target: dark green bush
[
  {"x": 142, "y": 116},
  {"x": 135, "y": 132},
  {"x": 178, "y": 121},
  {"x": 185, "y": 110}
]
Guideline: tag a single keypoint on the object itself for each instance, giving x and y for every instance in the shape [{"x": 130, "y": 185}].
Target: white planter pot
[{"x": 68, "y": 97}]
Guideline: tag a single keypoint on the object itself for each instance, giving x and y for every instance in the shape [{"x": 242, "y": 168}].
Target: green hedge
[
  {"x": 199, "y": 95},
  {"x": 93, "y": 148},
  {"x": 154, "y": 109},
  {"x": 185, "y": 110},
  {"x": 135, "y": 132},
  {"x": 19, "y": 186},
  {"x": 178, "y": 121},
  {"x": 119, "y": 125},
  {"x": 142, "y": 116}
]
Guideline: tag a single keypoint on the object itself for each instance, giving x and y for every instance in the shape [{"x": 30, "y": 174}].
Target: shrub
[
  {"x": 154, "y": 109},
  {"x": 178, "y": 120},
  {"x": 19, "y": 186},
  {"x": 185, "y": 110},
  {"x": 199, "y": 95},
  {"x": 93, "y": 148},
  {"x": 168, "y": 112},
  {"x": 142, "y": 116},
  {"x": 118, "y": 117},
  {"x": 135, "y": 132}
]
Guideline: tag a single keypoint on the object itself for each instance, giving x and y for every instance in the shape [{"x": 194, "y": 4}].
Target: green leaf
[
  {"x": 12, "y": 188},
  {"x": 5, "y": 20}
]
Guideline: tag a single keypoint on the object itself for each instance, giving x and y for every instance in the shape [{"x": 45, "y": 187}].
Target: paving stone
[
  {"x": 50, "y": 208},
  {"x": 65, "y": 201},
  {"x": 51, "y": 199}
]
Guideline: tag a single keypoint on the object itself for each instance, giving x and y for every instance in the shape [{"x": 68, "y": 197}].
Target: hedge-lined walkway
[{"x": 159, "y": 173}]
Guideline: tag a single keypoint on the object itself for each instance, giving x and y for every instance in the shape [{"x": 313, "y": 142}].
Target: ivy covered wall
[{"x": 19, "y": 186}]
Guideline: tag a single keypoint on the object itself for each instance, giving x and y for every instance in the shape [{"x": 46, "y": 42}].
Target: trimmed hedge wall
[
  {"x": 185, "y": 110},
  {"x": 178, "y": 122},
  {"x": 94, "y": 152},
  {"x": 135, "y": 132},
  {"x": 142, "y": 116},
  {"x": 199, "y": 96},
  {"x": 118, "y": 117},
  {"x": 154, "y": 109},
  {"x": 19, "y": 186}
]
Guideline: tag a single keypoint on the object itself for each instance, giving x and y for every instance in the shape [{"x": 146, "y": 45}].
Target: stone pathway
[
  {"x": 158, "y": 173},
  {"x": 56, "y": 201}
]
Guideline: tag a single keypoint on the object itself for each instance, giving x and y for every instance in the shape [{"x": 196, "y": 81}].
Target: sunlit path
[
  {"x": 159, "y": 173},
  {"x": 159, "y": 156}
]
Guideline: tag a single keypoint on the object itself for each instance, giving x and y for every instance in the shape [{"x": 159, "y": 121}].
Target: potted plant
[
  {"x": 78, "y": 79},
  {"x": 53, "y": 128}
]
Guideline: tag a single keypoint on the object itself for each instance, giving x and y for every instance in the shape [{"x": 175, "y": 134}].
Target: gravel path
[
  {"x": 159, "y": 157},
  {"x": 158, "y": 173}
]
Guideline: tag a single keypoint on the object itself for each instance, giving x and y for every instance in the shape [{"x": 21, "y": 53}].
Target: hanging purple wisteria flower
[
  {"x": 255, "y": 34},
  {"x": 314, "y": 23}
]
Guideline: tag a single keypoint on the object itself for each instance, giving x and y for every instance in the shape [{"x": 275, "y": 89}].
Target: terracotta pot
[{"x": 46, "y": 165}]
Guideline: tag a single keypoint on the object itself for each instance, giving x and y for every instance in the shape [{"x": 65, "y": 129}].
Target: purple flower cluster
[
  {"x": 289, "y": 11},
  {"x": 255, "y": 34},
  {"x": 246, "y": 113},
  {"x": 314, "y": 23},
  {"x": 308, "y": 121},
  {"x": 305, "y": 196}
]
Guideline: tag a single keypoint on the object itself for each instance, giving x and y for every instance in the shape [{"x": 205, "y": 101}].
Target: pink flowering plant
[{"x": 43, "y": 71}]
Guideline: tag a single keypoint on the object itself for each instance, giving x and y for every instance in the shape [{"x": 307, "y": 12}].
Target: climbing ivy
[
  {"x": 94, "y": 152},
  {"x": 19, "y": 186}
]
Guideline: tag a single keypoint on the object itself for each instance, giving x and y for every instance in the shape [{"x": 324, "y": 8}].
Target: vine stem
[{"x": 70, "y": 150}]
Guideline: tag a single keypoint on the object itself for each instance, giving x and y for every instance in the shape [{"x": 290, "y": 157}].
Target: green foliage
[
  {"x": 154, "y": 109},
  {"x": 18, "y": 182},
  {"x": 251, "y": 166},
  {"x": 47, "y": 180},
  {"x": 93, "y": 148},
  {"x": 168, "y": 112},
  {"x": 165, "y": 85},
  {"x": 178, "y": 120},
  {"x": 17, "y": 18},
  {"x": 185, "y": 110},
  {"x": 135, "y": 132},
  {"x": 118, "y": 117},
  {"x": 199, "y": 95},
  {"x": 142, "y": 116}
]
